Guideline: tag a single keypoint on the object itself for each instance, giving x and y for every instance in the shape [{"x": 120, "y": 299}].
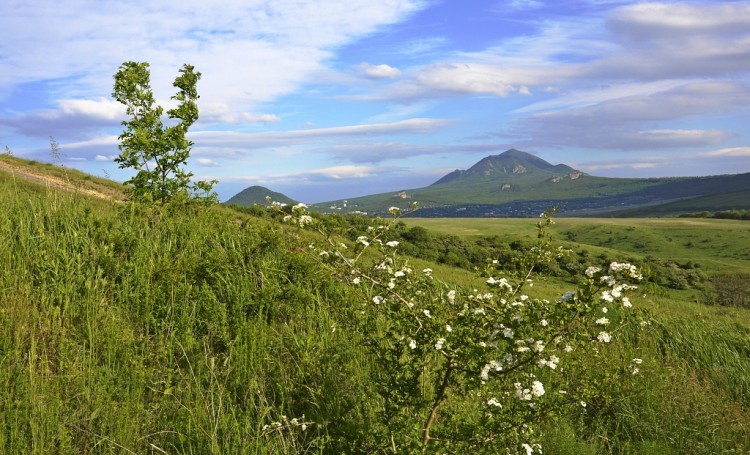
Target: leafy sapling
[{"x": 156, "y": 152}]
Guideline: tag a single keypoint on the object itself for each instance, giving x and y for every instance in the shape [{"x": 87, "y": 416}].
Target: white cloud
[
  {"x": 328, "y": 173},
  {"x": 99, "y": 108},
  {"x": 668, "y": 40},
  {"x": 728, "y": 152},
  {"x": 285, "y": 138},
  {"x": 249, "y": 52},
  {"x": 344, "y": 172},
  {"x": 381, "y": 71},
  {"x": 628, "y": 122},
  {"x": 206, "y": 162}
]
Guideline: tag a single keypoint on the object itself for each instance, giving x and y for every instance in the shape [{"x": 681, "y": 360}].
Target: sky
[{"x": 331, "y": 99}]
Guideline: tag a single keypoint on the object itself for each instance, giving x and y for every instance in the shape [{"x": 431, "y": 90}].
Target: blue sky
[{"x": 326, "y": 99}]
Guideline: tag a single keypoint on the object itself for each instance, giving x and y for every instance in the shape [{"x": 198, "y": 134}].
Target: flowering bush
[{"x": 472, "y": 370}]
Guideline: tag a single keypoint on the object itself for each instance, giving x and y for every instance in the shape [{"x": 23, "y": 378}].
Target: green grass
[
  {"x": 130, "y": 330},
  {"x": 718, "y": 245}
]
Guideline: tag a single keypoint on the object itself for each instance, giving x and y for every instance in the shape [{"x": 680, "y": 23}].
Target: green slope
[{"x": 514, "y": 183}]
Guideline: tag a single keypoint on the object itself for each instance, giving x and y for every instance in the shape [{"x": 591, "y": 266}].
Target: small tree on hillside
[{"x": 156, "y": 152}]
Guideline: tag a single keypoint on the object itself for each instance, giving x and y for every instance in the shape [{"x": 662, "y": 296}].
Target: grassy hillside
[
  {"x": 204, "y": 330},
  {"x": 515, "y": 183}
]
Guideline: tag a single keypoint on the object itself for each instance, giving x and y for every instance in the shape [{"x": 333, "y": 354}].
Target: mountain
[
  {"x": 257, "y": 195},
  {"x": 511, "y": 162},
  {"x": 516, "y": 183}
]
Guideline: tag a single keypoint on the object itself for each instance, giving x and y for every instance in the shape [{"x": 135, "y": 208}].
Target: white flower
[
  {"x": 452, "y": 296},
  {"x": 604, "y": 337},
  {"x": 493, "y": 402},
  {"x": 427, "y": 271},
  {"x": 377, "y": 300},
  {"x": 605, "y": 310},
  {"x": 626, "y": 302},
  {"x": 602, "y": 321},
  {"x": 440, "y": 343},
  {"x": 537, "y": 389},
  {"x": 392, "y": 243},
  {"x": 299, "y": 206},
  {"x": 413, "y": 344},
  {"x": 448, "y": 328},
  {"x": 591, "y": 271},
  {"x": 363, "y": 240},
  {"x": 638, "y": 361},
  {"x": 356, "y": 280},
  {"x": 607, "y": 296},
  {"x": 507, "y": 332},
  {"x": 427, "y": 313},
  {"x": 583, "y": 403},
  {"x": 543, "y": 322}
]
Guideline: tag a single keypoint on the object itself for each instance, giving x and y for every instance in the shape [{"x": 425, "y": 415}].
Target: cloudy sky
[{"x": 328, "y": 99}]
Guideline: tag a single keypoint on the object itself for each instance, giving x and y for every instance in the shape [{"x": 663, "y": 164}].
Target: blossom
[
  {"x": 427, "y": 313},
  {"x": 452, "y": 296},
  {"x": 392, "y": 243},
  {"x": 448, "y": 328},
  {"x": 537, "y": 389},
  {"x": 493, "y": 402},
  {"x": 604, "y": 337},
  {"x": 591, "y": 271},
  {"x": 363, "y": 240},
  {"x": 356, "y": 280},
  {"x": 602, "y": 321},
  {"x": 552, "y": 362},
  {"x": 440, "y": 343},
  {"x": 413, "y": 344},
  {"x": 626, "y": 302},
  {"x": 377, "y": 300}
]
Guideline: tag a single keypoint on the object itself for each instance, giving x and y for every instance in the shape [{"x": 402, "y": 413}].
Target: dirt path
[{"x": 52, "y": 181}]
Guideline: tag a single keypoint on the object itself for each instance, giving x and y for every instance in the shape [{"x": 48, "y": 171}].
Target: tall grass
[{"x": 192, "y": 330}]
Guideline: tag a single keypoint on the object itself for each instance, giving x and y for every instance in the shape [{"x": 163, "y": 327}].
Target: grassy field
[
  {"x": 188, "y": 330},
  {"x": 718, "y": 245}
]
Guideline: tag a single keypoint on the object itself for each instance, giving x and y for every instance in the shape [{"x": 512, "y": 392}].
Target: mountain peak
[
  {"x": 257, "y": 195},
  {"x": 509, "y": 163}
]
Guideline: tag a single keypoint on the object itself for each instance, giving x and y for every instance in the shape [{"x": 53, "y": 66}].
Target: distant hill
[
  {"x": 518, "y": 184},
  {"x": 257, "y": 195},
  {"x": 512, "y": 162}
]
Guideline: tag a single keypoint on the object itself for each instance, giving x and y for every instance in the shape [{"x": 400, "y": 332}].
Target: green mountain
[
  {"x": 516, "y": 183},
  {"x": 257, "y": 195}
]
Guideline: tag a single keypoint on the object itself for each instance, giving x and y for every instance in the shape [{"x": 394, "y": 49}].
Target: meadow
[{"x": 205, "y": 330}]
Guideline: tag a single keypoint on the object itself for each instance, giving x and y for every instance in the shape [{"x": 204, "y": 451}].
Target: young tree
[{"x": 156, "y": 152}]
